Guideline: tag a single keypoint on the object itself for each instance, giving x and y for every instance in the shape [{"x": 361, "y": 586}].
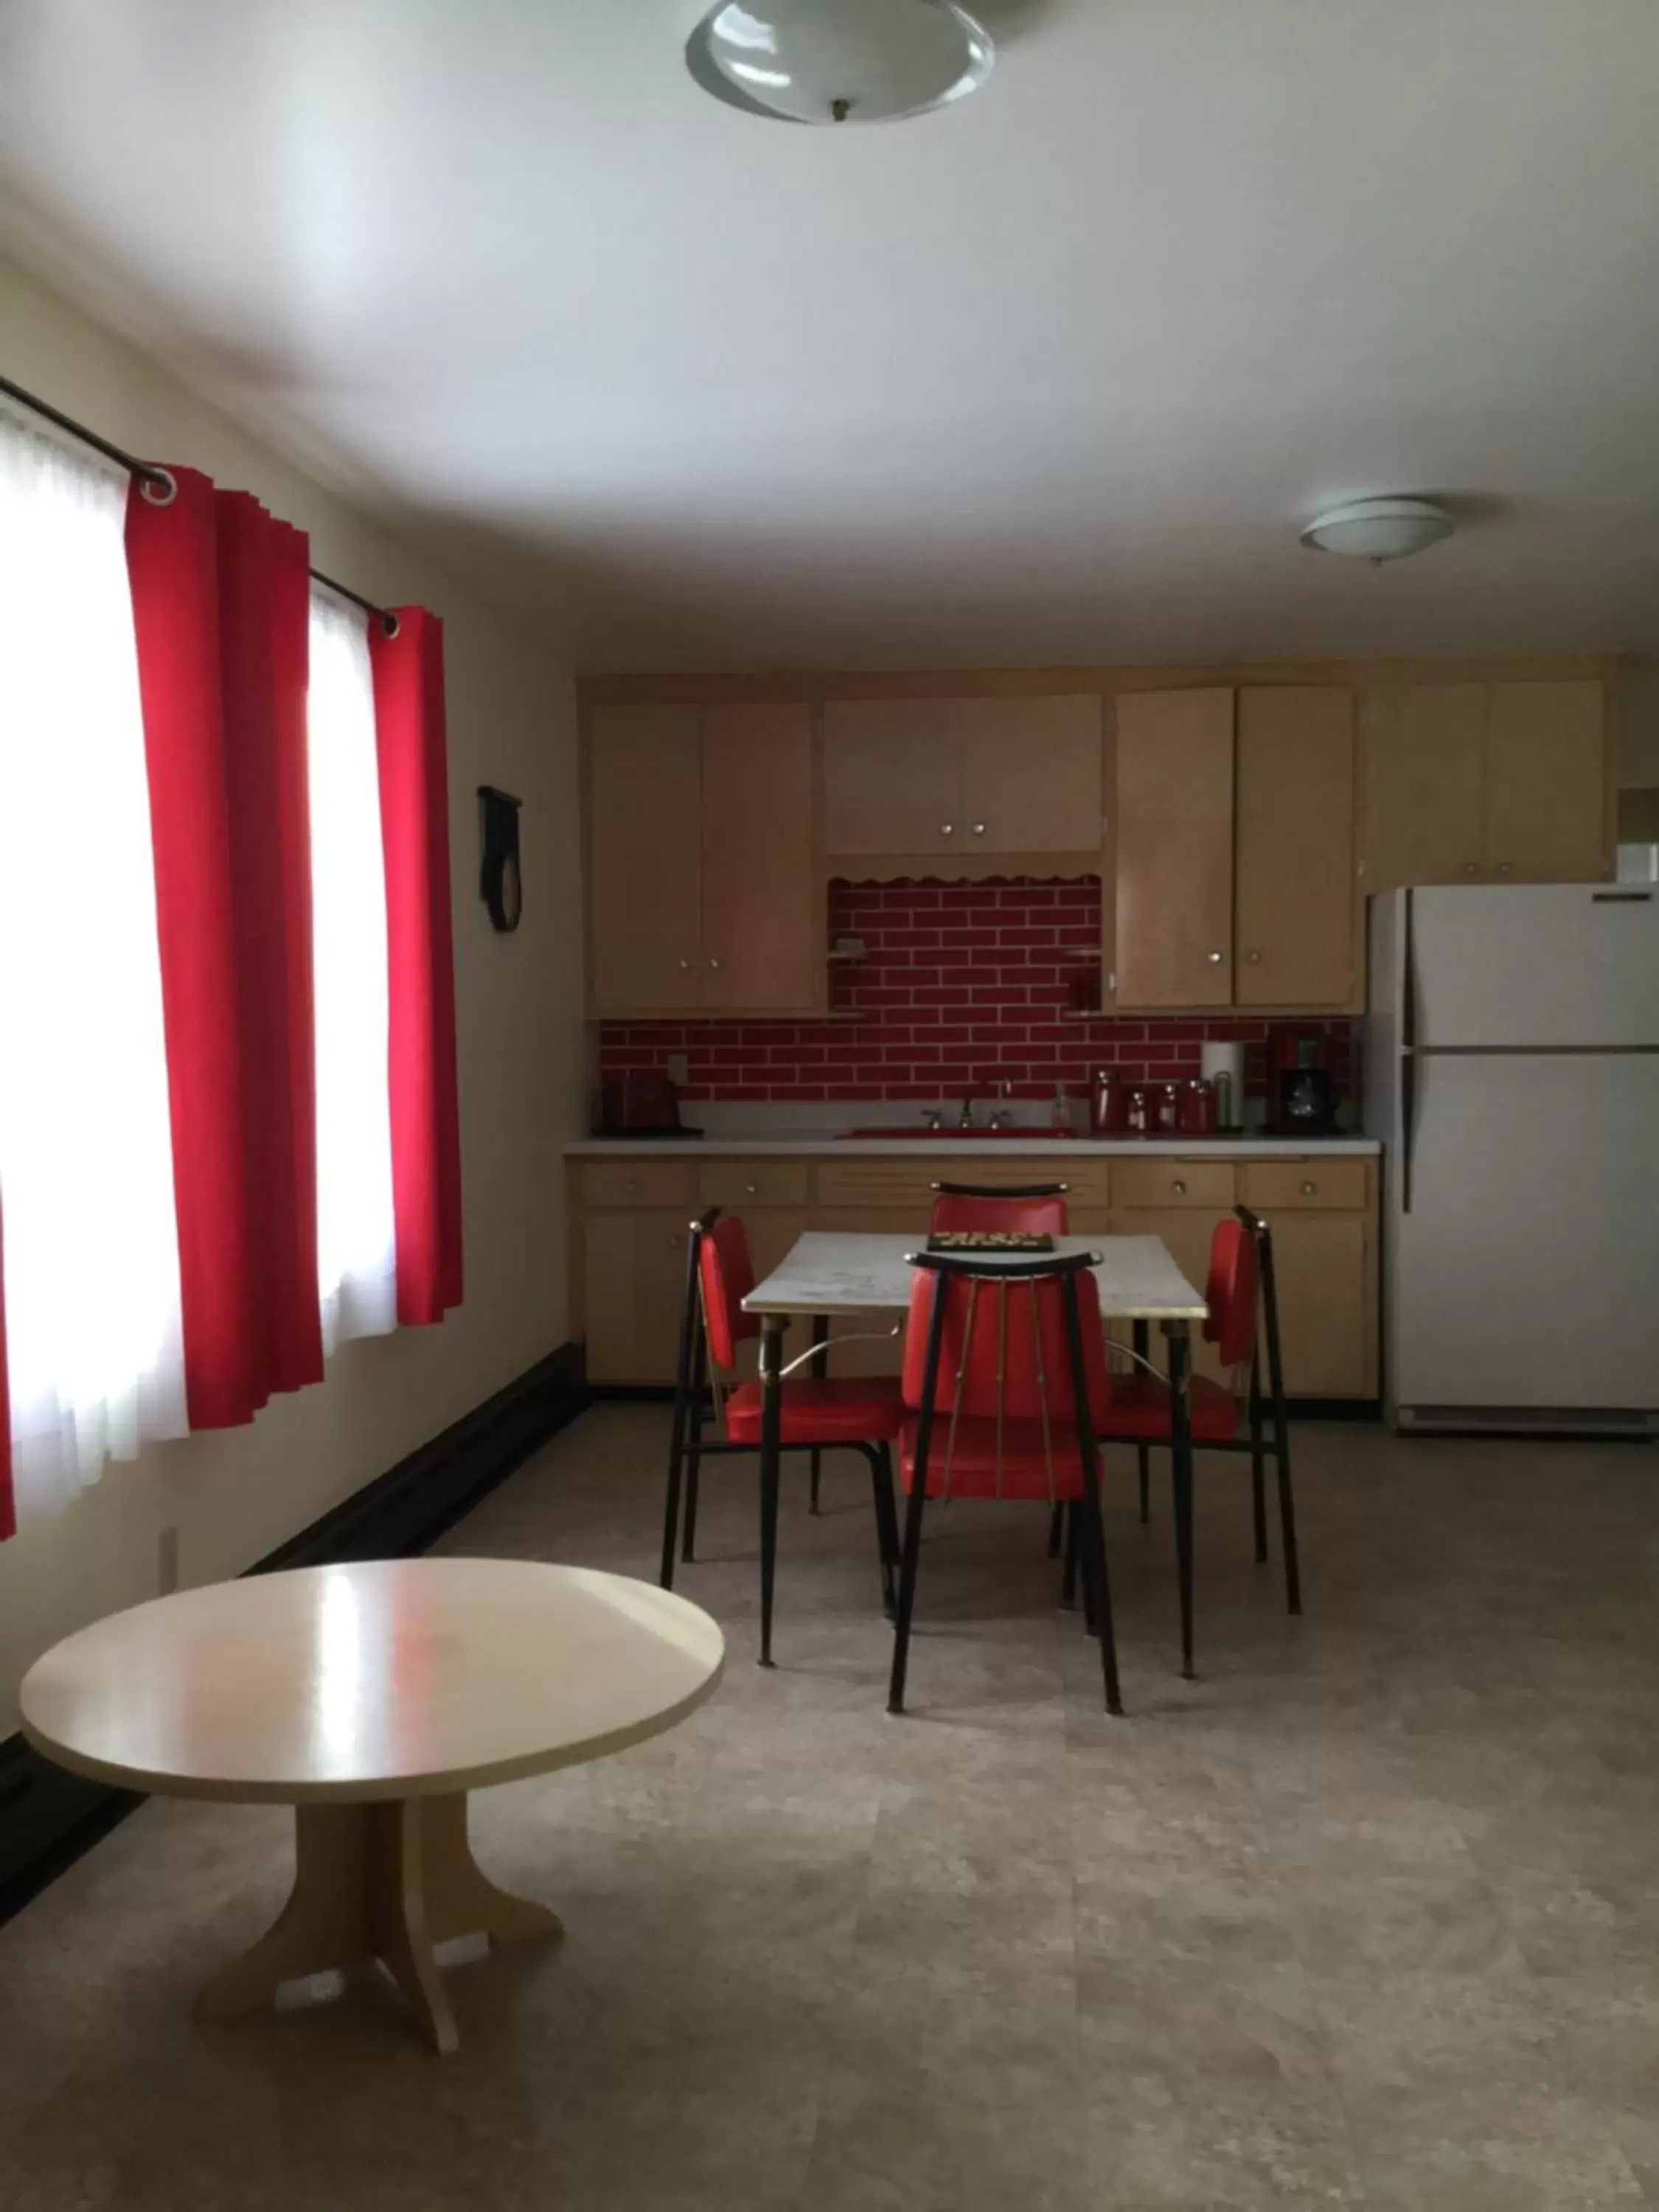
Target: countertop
[{"x": 1041, "y": 1145}]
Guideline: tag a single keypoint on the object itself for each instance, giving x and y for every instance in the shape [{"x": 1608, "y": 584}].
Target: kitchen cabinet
[
  {"x": 969, "y": 776},
  {"x": 701, "y": 860},
  {"x": 645, "y": 859},
  {"x": 1174, "y": 933},
  {"x": 1546, "y": 784},
  {"x": 1483, "y": 782},
  {"x": 1296, "y": 913},
  {"x": 631, "y": 1219}
]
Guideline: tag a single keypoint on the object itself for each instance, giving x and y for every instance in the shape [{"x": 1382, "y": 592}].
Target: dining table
[{"x": 837, "y": 1274}]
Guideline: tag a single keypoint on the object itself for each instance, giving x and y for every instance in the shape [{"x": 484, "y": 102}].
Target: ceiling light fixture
[
  {"x": 1378, "y": 530},
  {"x": 839, "y": 61}
]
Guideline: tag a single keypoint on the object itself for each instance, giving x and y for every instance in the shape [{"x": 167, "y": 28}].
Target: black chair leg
[
  {"x": 1144, "y": 1454},
  {"x": 1097, "y": 1586},
  {"x": 907, "y": 1597},
  {"x": 694, "y": 1447},
  {"x": 1068, "y": 1577},
  {"x": 812, "y": 1495},
  {"x": 1286, "y": 1507},
  {"x": 1056, "y": 1531},
  {"x": 1258, "y": 1463},
  {"x": 887, "y": 1536}
]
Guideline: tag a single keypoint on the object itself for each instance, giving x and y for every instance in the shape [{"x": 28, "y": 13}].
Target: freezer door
[
  {"x": 1535, "y": 966},
  {"x": 1524, "y": 1274}
]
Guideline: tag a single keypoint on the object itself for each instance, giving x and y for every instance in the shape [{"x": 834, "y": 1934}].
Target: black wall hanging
[{"x": 500, "y": 882}]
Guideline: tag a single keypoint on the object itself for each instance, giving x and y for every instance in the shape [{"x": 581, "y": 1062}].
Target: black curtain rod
[{"x": 148, "y": 475}]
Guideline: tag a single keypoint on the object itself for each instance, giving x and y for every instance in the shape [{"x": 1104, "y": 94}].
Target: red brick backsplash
[{"x": 960, "y": 983}]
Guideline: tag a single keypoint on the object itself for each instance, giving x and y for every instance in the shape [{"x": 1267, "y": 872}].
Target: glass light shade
[
  {"x": 838, "y": 61},
  {"x": 1379, "y": 529}
]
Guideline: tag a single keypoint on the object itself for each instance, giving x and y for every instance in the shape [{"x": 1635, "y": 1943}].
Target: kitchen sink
[{"x": 967, "y": 1136}]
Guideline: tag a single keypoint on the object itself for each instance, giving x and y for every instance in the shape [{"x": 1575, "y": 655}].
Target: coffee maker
[{"x": 1301, "y": 1088}]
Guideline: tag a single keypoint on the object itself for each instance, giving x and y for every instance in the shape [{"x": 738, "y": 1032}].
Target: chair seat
[
  {"x": 1139, "y": 1411},
  {"x": 847, "y": 1411},
  {"x": 967, "y": 1464}
]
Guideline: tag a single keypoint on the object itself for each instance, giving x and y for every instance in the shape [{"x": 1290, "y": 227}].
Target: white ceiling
[{"x": 1055, "y": 375}]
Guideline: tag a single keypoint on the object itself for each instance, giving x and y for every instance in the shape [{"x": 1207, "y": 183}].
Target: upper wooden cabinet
[
  {"x": 1546, "y": 784},
  {"x": 1175, "y": 849},
  {"x": 1296, "y": 921},
  {"x": 961, "y": 776},
  {"x": 702, "y": 889},
  {"x": 1483, "y": 782}
]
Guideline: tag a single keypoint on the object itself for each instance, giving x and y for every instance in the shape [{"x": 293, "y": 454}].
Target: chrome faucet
[{"x": 965, "y": 1119}]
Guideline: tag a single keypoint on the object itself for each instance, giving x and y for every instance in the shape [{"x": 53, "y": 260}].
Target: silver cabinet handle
[
  {"x": 1471, "y": 867},
  {"x": 714, "y": 964},
  {"x": 979, "y": 828},
  {"x": 1179, "y": 1187},
  {"x": 1309, "y": 1189},
  {"x": 1505, "y": 868},
  {"x": 1214, "y": 959},
  {"x": 752, "y": 1188},
  {"x": 947, "y": 828},
  {"x": 1255, "y": 958},
  {"x": 685, "y": 963}
]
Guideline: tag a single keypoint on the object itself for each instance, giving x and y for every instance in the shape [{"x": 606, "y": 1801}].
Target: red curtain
[
  {"x": 220, "y": 607},
  {"x": 426, "y": 1152}
]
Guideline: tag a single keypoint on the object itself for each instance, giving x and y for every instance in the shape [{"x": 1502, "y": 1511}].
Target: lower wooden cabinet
[{"x": 630, "y": 1240}]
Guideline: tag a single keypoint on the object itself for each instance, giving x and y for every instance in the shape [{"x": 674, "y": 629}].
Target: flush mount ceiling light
[
  {"x": 838, "y": 61},
  {"x": 1379, "y": 529}
]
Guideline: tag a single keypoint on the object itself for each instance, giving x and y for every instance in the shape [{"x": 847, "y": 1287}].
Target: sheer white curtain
[
  {"x": 95, "y": 1338},
  {"x": 357, "y": 1235}
]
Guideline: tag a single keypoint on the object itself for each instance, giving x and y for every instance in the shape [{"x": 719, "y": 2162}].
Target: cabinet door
[
  {"x": 759, "y": 939},
  {"x": 644, "y": 858},
  {"x": 1175, "y": 849},
  {"x": 1030, "y": 773},
  {"x": 1546, "y": 815},
  {"x": 892, "y": 777},
  {"x": 1295, "y": 855},
  {"x": 633, "y": 1282},
  {"x": 1320, "y": 1262},
  {"x": 1425, "y": 746}
]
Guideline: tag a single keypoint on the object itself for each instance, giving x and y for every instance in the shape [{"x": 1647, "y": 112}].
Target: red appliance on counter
[
  {"x": 1301, "y": 1088},
  {"x": 642, "y": 1103}
]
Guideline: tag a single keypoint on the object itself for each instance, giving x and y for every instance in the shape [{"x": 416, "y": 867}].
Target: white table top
[
  {"x": 387, "y": 1678},
  {"x": 852, "y": 1272}
]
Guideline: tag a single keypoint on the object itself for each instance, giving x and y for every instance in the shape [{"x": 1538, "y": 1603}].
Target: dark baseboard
[
  {"x": 1299, "y": 1409},
  {"x": 49, "y": 1817}
]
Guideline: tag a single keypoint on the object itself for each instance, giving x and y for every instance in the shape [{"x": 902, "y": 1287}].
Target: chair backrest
[
  {"x": 727, "y": 1275},
  {"x": 1232, "y": 1291},
  {"x": 1004, "y": 1350},
  {"x": 1039, "y": 1209}
]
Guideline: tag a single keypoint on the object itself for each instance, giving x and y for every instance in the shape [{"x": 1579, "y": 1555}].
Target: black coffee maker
[{"x": 1301, "y": 1088}]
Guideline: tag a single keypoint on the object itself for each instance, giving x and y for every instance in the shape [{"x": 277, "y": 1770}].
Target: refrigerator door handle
[{"x": 1407, "y": 1116}]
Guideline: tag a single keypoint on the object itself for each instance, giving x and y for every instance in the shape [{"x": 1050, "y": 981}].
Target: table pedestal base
[{"x": 387, "y": 1881}]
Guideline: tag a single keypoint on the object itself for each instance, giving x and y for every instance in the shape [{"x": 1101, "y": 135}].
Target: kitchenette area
[{"x": 848, "y": 938}]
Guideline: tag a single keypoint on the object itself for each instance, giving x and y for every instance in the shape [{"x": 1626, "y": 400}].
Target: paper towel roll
[{"x": 1223, "y": 1064}]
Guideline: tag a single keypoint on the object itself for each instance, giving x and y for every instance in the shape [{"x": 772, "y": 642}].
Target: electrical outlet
[
  {"x": 167, "y": 1562},
  {"x": 679, "y": 1070}
]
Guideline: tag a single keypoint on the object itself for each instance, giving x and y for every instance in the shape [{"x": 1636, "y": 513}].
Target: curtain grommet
[
  {"x": 159, "y": 486},
  {"x": 389, "y": 624}
]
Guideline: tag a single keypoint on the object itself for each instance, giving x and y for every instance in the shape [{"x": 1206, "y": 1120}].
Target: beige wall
[{"x": 234, "y": 1495}]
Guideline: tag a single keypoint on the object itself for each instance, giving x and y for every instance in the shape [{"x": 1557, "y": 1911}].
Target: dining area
[{"x": 1025, "y": 1359}]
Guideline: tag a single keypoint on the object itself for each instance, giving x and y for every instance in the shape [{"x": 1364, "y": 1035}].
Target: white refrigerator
[{"x": 1510, "y": 1062}]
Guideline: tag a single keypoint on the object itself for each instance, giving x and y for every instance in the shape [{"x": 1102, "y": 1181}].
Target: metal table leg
[
  {"x": 818, "y": 1367},
  {"x": 771, "y": 1389},
  {"x": 1181, "y": 1439}
]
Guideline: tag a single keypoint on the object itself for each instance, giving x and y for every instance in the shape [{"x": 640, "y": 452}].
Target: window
[
  {"x": 356, "y": 1232},
  {"x": 94, "y": 1340}
]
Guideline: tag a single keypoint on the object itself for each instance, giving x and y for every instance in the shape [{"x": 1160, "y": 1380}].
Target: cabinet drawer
[
  {"x": 636, "y": 1182},
  {"x": 910, "y": 1183},
  {"x": 1267, "y": 1184},
  {"x": 740, "y": 1184},
  {"x": 1175, "y": 1182}
]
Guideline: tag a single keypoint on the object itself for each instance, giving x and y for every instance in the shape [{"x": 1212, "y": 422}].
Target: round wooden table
[{"x": 372, "y": 1697}]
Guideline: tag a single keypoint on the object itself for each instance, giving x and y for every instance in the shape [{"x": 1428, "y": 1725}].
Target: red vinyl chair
[
  {"x": 1038, "y": 1209},
  {"x": 1242, "y": 1295},
  {"x": 1007, "y": 1392},
  {"x": 818, "y": 1413}
]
